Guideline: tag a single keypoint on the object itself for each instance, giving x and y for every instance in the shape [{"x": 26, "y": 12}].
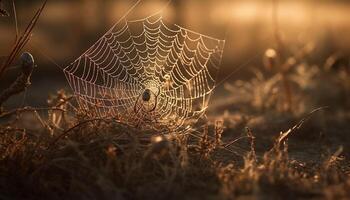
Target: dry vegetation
[
  {"x": 284, "y": 135},
  {"x": 64, "y": 155}
]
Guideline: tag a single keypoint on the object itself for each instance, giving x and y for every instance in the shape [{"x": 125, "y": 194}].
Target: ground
[{"x": 261, "y": 146}]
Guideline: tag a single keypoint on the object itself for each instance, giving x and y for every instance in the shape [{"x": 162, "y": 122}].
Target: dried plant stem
[
  {"x": 277, "y": 34},
  {"x": 65, "y": 133},
  {"x": 82, "y": 123},
  {"x": 284, "y": 135},
  {"x": 23, "y": 81},
  {"x": 28, "y": 109},
  {"x": 15, "y": 18},
  {"x": 21, "y": 41},
  {"x": 281, "y": 54}
]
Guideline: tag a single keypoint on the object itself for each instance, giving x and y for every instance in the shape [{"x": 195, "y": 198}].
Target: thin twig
[
  {"x": 66, "y": 132},
  {"x": 22, "y": 41},
  {"x": 283, "y": 136},
  {"x": 15, "y": 18},
  {"x": 28, "y": 109},
  {"x": 235, "y": 140}
]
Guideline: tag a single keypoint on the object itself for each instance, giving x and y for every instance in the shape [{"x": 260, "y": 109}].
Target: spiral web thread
[{"x": 147, "y": 73}]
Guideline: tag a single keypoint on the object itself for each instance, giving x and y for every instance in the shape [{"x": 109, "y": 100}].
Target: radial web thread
[{"x": 147, "y": 73}]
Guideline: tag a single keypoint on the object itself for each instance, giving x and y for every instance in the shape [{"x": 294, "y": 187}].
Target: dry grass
[{"x": 64, "y": 155}]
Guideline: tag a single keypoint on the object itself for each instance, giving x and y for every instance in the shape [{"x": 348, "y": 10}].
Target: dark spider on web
[{"x": 146, "y": 97}]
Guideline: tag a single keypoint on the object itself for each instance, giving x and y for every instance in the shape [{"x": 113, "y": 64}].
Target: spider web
[{"x": 147, "y": 73}]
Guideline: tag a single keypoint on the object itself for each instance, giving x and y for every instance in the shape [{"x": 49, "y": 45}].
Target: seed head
[{"x": 27, "y": 62}]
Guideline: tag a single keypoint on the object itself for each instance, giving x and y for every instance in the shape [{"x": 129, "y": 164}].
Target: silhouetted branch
[
  {"x": 21, "y": 41},
  {"x": 23, "y": 81}
]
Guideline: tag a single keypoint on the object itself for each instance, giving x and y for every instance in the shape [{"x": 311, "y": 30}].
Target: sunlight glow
[{"x": 246, "y": 11}]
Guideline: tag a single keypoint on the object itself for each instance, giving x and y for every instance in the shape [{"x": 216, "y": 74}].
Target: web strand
[{"x": 147, "y": 73}]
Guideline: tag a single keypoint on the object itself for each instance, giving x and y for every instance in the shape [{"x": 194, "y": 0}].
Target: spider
[{"x": 146, "y": 97}]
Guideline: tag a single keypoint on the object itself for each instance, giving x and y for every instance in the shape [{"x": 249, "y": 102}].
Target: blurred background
[{"x": 67, "y": 28}]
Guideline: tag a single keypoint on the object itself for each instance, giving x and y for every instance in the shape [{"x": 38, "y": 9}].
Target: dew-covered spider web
[{"x": 147, "y": 73}]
